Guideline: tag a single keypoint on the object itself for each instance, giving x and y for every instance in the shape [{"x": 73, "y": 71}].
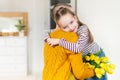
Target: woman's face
[{"x": 68, "y": 23}]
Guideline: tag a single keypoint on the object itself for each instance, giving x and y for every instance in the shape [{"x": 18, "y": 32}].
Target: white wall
[
  {"x": 102, "y": 17},
  {"x": 37, "y": 10}
]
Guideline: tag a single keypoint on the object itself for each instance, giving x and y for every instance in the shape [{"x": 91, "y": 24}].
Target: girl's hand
[{"x": 53, "y": 41}]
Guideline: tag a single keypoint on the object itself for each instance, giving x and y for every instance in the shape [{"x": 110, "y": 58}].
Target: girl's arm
[
  {"x": 47, "y": 36},
  {"x": 80, "y": 44}
]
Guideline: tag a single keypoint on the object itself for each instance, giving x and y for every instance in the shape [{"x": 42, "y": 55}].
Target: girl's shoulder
[{"x": 82, "y": 27}]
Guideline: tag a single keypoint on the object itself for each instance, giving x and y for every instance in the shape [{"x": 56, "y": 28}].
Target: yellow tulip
[
  {"x": 97, "y": 70},
  {"x": 97, "y": 59},
  {"x": 92, "y": 66},
  {"x": 88, "y": 64},
  {"x": 99, "y": 64},
  {"x": 110, "y": 71},
  {"x": 99, "y": 75},
  {"x": 112, "y": 66},
  {"x": 104, "y": 59},
  {"x": 103, "y": 65},
  {"x": 87, "y": 58},
  {"x": 102, "y": 71},
  {"x": 92, "y": 57}
]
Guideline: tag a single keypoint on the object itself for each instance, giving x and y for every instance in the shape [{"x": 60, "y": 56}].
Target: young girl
[
  {"x": 68, "y": 21},
  {"x": 55, "y": 8}
]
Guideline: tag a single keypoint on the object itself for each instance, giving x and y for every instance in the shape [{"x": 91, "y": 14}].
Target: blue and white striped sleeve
[
  {"x": 46, "y": 36},
  {"x": 81, "y": 42}
]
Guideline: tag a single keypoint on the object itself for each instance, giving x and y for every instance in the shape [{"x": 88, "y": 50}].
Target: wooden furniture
[
  {"x": 13, "y": 55},
  {"x": 13, "y": 47}
]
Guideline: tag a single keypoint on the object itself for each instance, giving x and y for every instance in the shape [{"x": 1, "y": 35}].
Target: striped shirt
[{"x": 82, "y": 42}]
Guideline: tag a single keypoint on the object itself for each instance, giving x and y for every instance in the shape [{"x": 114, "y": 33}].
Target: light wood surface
[{"x": 18, "y": 14}]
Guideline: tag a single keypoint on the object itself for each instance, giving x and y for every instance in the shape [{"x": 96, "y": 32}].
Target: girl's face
[{"x": 68, "y": 23}]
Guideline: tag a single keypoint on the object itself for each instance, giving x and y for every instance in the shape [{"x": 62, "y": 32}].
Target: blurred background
[{"x": 101, "y": 16}]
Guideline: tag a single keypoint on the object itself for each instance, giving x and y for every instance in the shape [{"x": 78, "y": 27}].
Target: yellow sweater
[{"x": 58, "y": 61}]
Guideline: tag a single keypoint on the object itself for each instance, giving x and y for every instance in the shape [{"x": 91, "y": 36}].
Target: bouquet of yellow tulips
[{"x": 101, "y": 65}]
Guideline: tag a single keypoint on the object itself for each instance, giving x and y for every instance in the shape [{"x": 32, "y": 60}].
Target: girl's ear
[
  {"x": 76, "y": 18},
  {"x": 57, "y": 26}
]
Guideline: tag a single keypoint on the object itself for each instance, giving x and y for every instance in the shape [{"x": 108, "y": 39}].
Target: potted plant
[{"x": 20, "y": 26}]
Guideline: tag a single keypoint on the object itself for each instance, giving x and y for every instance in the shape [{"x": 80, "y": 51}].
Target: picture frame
[{"x": 8, "y": 20}]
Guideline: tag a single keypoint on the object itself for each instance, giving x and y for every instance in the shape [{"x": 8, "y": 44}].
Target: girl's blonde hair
[{"x": 58, "y": 11}]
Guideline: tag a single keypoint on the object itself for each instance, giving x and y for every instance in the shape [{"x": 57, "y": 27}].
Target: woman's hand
[{"x": 53, "y": 41}]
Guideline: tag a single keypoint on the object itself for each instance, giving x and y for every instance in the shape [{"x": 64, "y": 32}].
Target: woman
[{"x": 61, "y": 64}]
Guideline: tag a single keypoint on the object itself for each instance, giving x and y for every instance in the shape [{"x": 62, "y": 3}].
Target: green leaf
[{"x": 20, "y": 26}]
